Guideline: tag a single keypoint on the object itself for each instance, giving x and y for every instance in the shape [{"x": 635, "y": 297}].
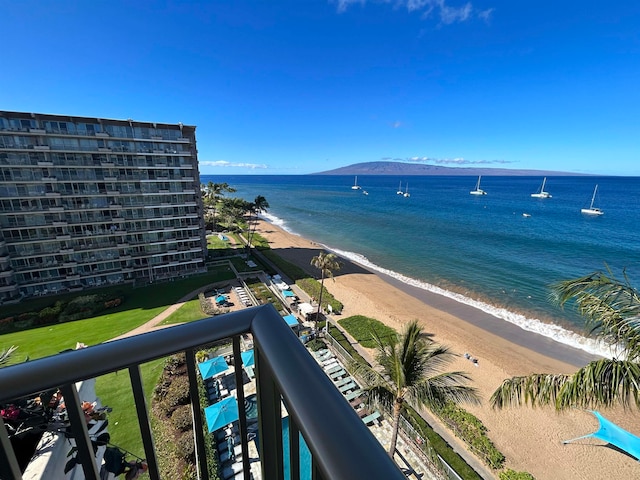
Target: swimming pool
[{"x": 305, "y": 454}]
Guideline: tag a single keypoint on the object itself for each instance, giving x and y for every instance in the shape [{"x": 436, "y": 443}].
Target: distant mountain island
[{"x": 400, "y": 168}]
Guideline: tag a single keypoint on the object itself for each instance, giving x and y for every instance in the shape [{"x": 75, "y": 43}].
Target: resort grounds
[{"x": 530, "y": 438}]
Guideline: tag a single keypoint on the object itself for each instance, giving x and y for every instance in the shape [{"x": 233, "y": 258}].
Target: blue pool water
[{"x": 305, "y": 454}]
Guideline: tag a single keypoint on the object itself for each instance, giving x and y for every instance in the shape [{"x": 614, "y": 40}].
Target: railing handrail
[{"x": 340, "y": 443}]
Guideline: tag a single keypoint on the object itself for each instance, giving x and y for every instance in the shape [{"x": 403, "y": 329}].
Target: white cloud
[
  {"x": 397, "y": 124},
  {"x": 224, "y": 163},
  {"x": 447, "y": 13}
]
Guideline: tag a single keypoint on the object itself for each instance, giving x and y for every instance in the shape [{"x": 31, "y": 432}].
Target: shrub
[
  {"x": 470, "y": 429},
  {"x": 182, "y": 418},
  {"x": 186, "y": 448},
  {"x": 513, "y": 475},
  {"x": 315, "y": 345}
]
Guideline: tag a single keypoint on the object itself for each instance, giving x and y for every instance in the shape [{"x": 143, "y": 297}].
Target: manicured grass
[
  {"x": 361, "y": 328},
  {"x": 189, "y": 312},
  {"x": 140, "y": 306},
  {"x": 114, "y": 390}
]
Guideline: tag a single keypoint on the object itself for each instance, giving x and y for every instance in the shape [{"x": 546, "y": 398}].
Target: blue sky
[{"x": 294, "y": 87}]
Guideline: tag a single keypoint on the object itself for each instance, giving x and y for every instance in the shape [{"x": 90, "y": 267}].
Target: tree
[
  {"x": 232, "y": 211},
  {"x": 327, "y": 263},
  {"x": 411, "y": 366},
  {"x": 258, "y": 206},
  {"x": 611, "y": 308},
  {"x": 211, "y": 195}
]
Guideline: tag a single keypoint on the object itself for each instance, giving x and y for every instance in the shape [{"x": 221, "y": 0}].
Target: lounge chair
[
  {"x": 224, "y": 455},
  {"x": 329, "y": 361},
  {"x": 371, "y": 418},
  {"x": 351, "y": 395},
  {"x": 231, "y": 471},
  {"x": 320, "y": 353},
  {"x": 335, "y": 368},
  {"x": 336, "y": 374},
  {"x": 349, "y": 386},
  {"x": 342, "y": 381}
]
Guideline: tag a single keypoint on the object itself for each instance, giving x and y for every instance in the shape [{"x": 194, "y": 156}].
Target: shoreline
[
  {"x": 566, "y": 342},
  {"x": 530, "y": 438}
]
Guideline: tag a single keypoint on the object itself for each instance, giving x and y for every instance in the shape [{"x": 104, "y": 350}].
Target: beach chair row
[
  {"x": 243, "y": 296},
  {"x": 346, "y": 385}
]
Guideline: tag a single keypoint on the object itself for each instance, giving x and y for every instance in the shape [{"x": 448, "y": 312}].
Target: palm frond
[
  {"x": 610, "y": 306},
  {"x": 5, "y": 354},
  {"x": 603, "y": 382},
  {"x": 537, "y": 389},
  {"x": 443, "y": 388}
]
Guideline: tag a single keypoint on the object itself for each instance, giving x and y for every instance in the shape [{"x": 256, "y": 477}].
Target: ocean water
[{"x": 480, "y": 250}]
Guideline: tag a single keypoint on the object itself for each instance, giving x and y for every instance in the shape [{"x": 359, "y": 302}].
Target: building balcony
[{"x": 286, "y": 375}]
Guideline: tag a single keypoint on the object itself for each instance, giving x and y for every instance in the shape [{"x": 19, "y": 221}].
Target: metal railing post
[
  {"x": 9, "y": 468},
  {"x": 196, "y": 411},
  {"x": 242, "y": 414},
  {"x": 143, "y": 422},
  {"x": 80, "y": 432},
  {"x": 269, "y": 421}
]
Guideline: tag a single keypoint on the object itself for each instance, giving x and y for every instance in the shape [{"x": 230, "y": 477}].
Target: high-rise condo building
[{"x": 89, "y": 202}]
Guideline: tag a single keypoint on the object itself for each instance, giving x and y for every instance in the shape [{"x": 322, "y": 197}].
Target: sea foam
[{"x": 554, "y": 332}]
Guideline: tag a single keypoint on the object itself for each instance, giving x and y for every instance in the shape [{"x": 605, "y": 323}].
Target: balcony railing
[{"x": 341, "y": 445}]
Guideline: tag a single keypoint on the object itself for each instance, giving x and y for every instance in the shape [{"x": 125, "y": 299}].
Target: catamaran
[
  {"x": 355, "y": 184},
  {"x": 541, "y": 193},
  {"x": 478, "y": 190},
  {"x": 406, "y": 191},
  {"x": 592, "y": 210},
  {"x": 400, "y": 192}
]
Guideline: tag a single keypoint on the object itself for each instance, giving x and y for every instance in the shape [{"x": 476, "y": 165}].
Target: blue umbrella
[
  {"x": 221, "y": 299},
  {"x": 212, "y": 367},
  {"x": 221, "y": 414},
  {"x": 248, "y": 360},
  {"x": 288, "y": 293}
]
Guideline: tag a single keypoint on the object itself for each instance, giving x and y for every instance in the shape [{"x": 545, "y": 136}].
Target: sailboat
[
  {"x": 400, "y": 192},
  {"x": 406, "y": 191},
  {"x": 592, "y": 210},
  {"x": 478, "y": 190},
  {"x": 355, "y": 184},
  {"x": 541, "y": 193}
]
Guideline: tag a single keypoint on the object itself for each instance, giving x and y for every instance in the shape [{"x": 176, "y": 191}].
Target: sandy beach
[{"x": 531, "y": 439}]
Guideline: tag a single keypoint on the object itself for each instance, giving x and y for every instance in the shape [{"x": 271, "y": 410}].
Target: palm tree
[
  {"x": 5, "y": 354},
  {"x": 232, "y": 211},
  {"x": 327, "y": 263},
  {"x": 411, "y": 373},
  {"x": 211, "y": 195},
  {"x": 258, "y": 206},
  {"x": 611, "y": 308}
]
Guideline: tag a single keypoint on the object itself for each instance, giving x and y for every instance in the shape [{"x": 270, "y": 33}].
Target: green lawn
[
  {"x": 189, "y": 312},
  {"x": 114, "y": 390},
  {"x": 140, "y": 306},
  {"x": 361, "y": 328}
]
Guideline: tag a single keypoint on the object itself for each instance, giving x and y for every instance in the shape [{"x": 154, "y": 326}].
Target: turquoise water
[
  {"x": 305, "y": 454},
  {"x": 480, "y": 250}
]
